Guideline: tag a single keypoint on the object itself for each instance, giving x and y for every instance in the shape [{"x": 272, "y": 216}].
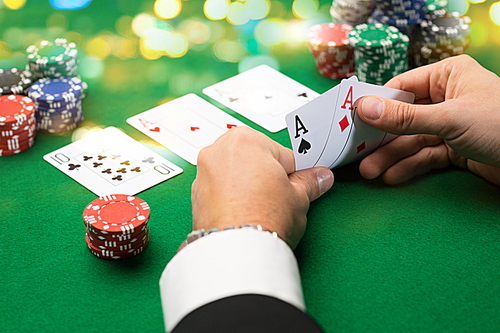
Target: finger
[
  {"x": 402, "y": 118},
  {"x": 425, "y": 82},
  {"x": 375, "y": 164},
  {"x": 313, "y": 182},
  {"x": 427, "y": 159}
]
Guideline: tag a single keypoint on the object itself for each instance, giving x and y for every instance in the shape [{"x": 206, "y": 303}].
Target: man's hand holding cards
[{"x": 328, "y": 131}]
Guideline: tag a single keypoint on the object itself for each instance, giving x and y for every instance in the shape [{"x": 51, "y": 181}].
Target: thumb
[
  {"x": 314, "y": 182},
  {"x": 398, "y": 117}
]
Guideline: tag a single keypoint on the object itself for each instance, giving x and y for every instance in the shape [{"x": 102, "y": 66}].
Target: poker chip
[
  {"x": 54, "y": 59},
  {"x": 433, "y": 5},
  {"x": 329, "y": 45},
  {"x": 403, "y": 14},
  {"x": 117, "y": 226},
  {"x": 17, "y": 124},
  {"x": 15, "y": 81},
  {"x": 58, "y": 104},
  {"x": 352, "y": 12},
  {"x": 380, "y": 52},
  {"x": 441, "y": 35}
]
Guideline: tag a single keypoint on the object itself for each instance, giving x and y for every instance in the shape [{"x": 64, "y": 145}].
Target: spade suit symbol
[{"x": 304, "y": 146}]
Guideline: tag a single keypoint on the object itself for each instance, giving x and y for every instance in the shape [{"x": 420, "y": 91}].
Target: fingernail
[
  {"x": 325, "y": 180},
  {"x": 372, "y": 108}
]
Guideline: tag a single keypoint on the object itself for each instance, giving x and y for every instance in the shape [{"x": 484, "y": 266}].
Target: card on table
[
  {"x": 111, "y": 162},
  {"x": 348, "y": 138},
  {"x": 263, "y": 95},
  {"x": 184, "y": 125}
]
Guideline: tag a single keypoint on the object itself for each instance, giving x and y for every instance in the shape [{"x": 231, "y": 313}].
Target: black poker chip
[{"x": 15, "y": 81}]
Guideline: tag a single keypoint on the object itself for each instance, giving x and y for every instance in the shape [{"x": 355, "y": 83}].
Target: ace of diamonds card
[{"x": 110, "y": 162}]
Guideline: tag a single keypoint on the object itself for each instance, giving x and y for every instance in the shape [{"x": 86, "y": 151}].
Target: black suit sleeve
[{"x": 247, "y": 313}]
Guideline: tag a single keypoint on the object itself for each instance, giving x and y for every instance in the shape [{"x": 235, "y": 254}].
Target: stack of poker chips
[
  {"x": 329, "y": 45},
  {"x": 352, "y": 12},
  {"x": 15, "y": 81},
  {"x": 17, "y": 124},
  {"x": 403, "y": 14},
  {"x": 58, "y": 104},
  {"x": 53, "y": 59},
  {"x": 380, "y": 52},
  {"x": 117, "y": 226},
  {"x": 440, "y": 35}
]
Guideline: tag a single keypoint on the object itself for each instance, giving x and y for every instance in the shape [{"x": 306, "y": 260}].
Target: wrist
[{"x": 199, "y": 233}]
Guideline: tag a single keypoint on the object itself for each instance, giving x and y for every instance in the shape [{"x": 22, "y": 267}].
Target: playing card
[
  {"x": 185, "y": 125},
  {"x": 362, "y": 139},
  {"x": 111, "y": 162},
  {"x": 309, "y": 127},
  {"x": 263, "y": 95},
  {"x": 330, "y": 133}
]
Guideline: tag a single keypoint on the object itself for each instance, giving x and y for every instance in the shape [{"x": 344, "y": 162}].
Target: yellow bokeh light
[
  {"x": 98, "y": 48},
  {"x": 167, "y": 9},
  {"x": 124, "y": 25},
  {"x": 216, "y": 9},
  {"x": 56, "y": 22},
  {"x": 495, "y": 13},
  {"x": 277, "y": 10},
  {"x": 157, "y": 39},
  {"x": 296, "y": 31},
  {"x": 478, "y": 33},
  {"x": 84, "y": 130},
  {"x": 148, "y": 53},
  {"x": 237, "y": 14},
  {"x": 75, "y": 37},
  {"x": 124, "y": 48},
  {"x": 476, "y": 1},
  {"x": 229, "y": 51},
  {"x": 270, "y": 32},
  {"x": 178, "y": 47},
  {"x": 142, "y": 22},
  {"x": 305, "y": 9},
  {"x": 257, "y": 9},
  {"x": 198, "y": 32},
  {"x": 14, "y": 4}
]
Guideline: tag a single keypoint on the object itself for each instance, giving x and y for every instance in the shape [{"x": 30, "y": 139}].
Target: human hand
[
  {"x": 247, "y": 178},
  {"x": 455, "y": 119}
]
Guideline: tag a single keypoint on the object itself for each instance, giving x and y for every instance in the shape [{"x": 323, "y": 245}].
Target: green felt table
[{"x": 423, "y": 256}]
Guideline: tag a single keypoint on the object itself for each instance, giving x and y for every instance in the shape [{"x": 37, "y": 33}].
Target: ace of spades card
[
  {"x": 263, "y": 95},
  {"x": 110, "y": 162},
  {"x": 348, "y": 138}
]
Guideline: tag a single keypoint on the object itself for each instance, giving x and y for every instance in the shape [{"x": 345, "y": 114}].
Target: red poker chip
[
  {"x": 26, "y": 128},
  {"x": 124, "y": 235},
  {"x": 18, "y": 137},
  {"x": 110, "y": 243},
  {"x": 328, "y": 35},
  {"x": 106, "y": 254},
  {"x": 23, "y": 147},
  {"x": 116, "y": 213},
  {"x": 123, "y": 247},
  {"x": 16, "y": 143},
  {"x": 15, "y": 109},
  {"x": 117, "y": 237}
]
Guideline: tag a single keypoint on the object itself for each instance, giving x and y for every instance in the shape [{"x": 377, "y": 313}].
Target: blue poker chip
[{"x": 56, "y": 90}]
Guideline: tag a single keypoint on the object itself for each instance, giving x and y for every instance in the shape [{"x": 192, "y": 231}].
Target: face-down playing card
[
  {"x": 263, "y": 95},
  {"x": 185, "y": 125},
  {"x": 350, "y": 138},
  {"x": 110, "y": 162}
]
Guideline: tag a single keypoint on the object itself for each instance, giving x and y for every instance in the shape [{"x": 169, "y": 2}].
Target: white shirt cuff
[{"x": 228, "y": 263}]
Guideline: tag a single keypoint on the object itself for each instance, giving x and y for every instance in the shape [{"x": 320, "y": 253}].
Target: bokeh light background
[{"x": 179, "y": 44}]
